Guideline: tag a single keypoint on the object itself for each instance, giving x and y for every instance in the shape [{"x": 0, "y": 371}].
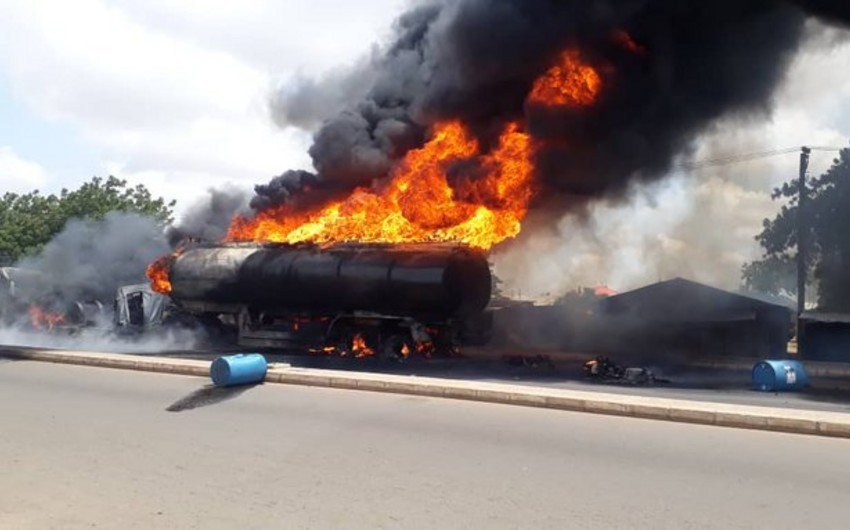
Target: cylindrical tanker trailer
[{"x": 392, "y": 298}]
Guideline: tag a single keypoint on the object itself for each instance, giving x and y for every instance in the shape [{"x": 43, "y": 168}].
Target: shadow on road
[{"x": 206, "y": 396}]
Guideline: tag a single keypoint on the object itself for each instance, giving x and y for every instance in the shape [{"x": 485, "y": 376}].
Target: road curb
[
  {"x": 683, "y": 411},
  {"x": 817, "y": 423},
  {"x": 112, "y": 360}
]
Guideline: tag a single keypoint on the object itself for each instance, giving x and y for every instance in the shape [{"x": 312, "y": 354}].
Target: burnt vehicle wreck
[
  {"x": 389, "y": 300},
  {"x": 19, "y": 288},
  {"x": 31, "y": 300}
]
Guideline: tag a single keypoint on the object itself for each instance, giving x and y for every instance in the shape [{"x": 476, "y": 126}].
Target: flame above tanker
[
  {"x": 449, "y": 190},
  {"x": 569, "y": 83},
  {"x": 418, "y": 203},
  {"x": 421, "y": 201}
]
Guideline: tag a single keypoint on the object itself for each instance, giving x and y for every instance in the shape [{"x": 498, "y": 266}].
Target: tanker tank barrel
[{"x": 438, "y": 281}]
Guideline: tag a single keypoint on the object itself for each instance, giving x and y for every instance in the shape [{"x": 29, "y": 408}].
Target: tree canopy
[
  {"x": 827, "y": 218},
  {"x": 28, "y": 221}
]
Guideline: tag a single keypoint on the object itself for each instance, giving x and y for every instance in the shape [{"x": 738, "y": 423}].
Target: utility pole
[{"x": 802, "y": 243}]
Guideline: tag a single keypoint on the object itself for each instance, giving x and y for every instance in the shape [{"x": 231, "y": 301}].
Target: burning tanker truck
[
  {"x": 475, "y": 113},
  {"x": 390, "y": 300}
]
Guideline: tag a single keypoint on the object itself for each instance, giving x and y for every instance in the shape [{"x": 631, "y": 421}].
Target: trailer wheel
[{"x": 392, "y": 348}]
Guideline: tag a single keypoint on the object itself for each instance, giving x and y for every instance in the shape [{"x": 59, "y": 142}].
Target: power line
[{"x": 748, "y": 157}]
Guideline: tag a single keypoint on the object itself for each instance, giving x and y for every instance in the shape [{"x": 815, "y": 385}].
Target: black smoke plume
[{"x": 476, "y": 61}]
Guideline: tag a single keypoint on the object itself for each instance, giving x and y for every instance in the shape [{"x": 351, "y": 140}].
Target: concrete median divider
[
  {"x": 719, "y": 414},
  {"x": 112, "y": 360}
]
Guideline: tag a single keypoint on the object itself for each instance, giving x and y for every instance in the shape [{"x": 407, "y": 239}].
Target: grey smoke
[
  {"x": 306, "y": 103},
  {"x": 209, "y": 217},
  {"x": 697, "y": 228},
  {"x": 90, "y": 259}
]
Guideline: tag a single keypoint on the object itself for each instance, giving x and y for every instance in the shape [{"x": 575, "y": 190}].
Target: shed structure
[
  {"x": 682, "y": 317},
  {"x": 825, "y": 336}
]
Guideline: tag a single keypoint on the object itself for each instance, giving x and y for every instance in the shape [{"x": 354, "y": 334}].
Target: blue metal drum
[
  {"x": 779, "y": 375},
  {"x": 242, "y": 369}
]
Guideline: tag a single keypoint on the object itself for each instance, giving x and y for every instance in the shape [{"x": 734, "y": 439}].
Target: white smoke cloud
[{"x": 101, "y": 340}]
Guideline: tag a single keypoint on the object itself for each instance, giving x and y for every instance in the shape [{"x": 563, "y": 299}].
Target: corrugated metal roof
[
  {"x": 681, "y": 300},
  {"x": 685, "y": 284},
  {"x": 769, "y": 299}
]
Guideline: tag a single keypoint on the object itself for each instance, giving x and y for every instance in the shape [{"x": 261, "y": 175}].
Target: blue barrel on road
[
  {"x": 241, "y": 369},
  {"x": 779, "y": 375}
]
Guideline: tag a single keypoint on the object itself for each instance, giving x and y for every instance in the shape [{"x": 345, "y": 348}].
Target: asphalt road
[{"x": 94, "y": 448}]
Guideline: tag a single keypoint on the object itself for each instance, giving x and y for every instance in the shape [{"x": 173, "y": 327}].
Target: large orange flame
[
  {"x": 569, "y": 83},
  {"x": 418, "y": 204},
  {"x": 158, "y": 271}
]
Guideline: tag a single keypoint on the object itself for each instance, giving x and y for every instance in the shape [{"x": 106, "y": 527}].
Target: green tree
[
  {"x": 772, "y": 274},
  {"x": 28, "y": 221},
  {"x": 828, "y": 225}
]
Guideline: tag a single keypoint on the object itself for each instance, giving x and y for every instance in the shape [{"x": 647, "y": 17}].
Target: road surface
[{"x": 94, "y": 448}]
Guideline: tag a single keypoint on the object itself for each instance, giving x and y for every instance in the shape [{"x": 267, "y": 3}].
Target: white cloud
[
  {"x": 19, "y": 175},
  {"x": 175, "y": 92},
  {"x": 275, "y": 36}
]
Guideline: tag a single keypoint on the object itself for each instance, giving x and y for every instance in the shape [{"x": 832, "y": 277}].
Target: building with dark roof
[
  {"x": 671, "y": 320},
  {"x": 683, "y": 317},
  {"x": 825, "y": 336}
]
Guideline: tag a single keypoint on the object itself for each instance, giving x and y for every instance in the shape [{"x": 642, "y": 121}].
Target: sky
[{"x": 174, "y": 94}]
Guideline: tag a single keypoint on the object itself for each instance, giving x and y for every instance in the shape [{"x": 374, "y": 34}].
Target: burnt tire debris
[{"x": 603, "y": 370}]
